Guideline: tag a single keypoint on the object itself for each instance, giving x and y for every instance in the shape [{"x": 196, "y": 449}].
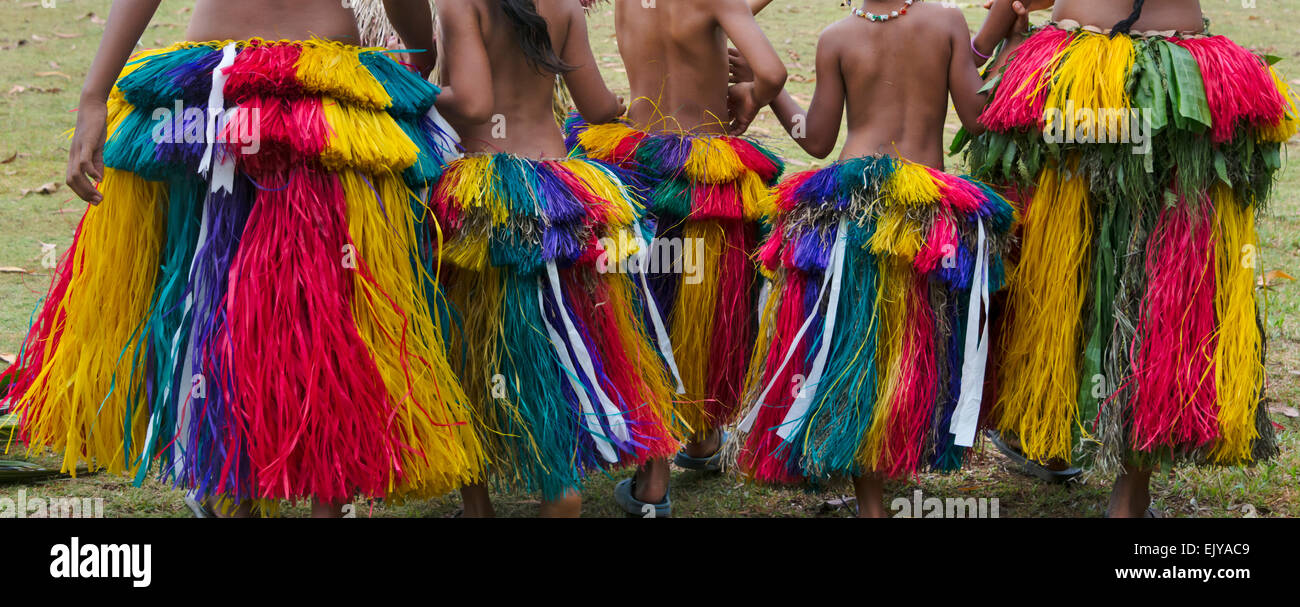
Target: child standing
[
  {"x": 870, "y": 352},
  {"x": 546, "y": 334},
  {"x": 703, "y": 187},
  {"x": 1146, "y": 147},
  {"x": 239, "y": 307}
]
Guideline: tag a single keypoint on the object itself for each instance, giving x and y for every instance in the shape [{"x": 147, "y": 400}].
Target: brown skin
[
  {"x": 479, "y": 40},
  {"x": 1157, "y": 15},
  {"x": 895, "y": 79},
  {"x": 212, "y": 20},
  {"x": 676, "y": 59}
]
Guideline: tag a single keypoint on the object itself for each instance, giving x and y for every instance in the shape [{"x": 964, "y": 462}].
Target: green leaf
[
  {"x": 1221, "y": 167},
  {"x": 1272, "y": 59},
  {"x": 1008, "y": 157},
  {"x": 991, "y": 84},
  {"x": 1187, "y": 87},
  {"x": 959, "y": 141}
]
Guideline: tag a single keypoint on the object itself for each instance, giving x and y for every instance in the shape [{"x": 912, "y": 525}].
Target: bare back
[
  {"x": 676, "y": 58},
  {"x": 1157, "y": 15},
  {"x": 523, "y": 119},
  {"x": 896, "y": 82},
  {"x": 272, "y": 20}
]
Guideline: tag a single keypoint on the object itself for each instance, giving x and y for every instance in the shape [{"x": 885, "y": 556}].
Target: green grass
[{"x": 63, "y": 40}]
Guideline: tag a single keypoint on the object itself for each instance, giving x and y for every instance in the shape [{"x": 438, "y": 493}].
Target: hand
[
  {"x": 1034, "y": 5},
  {"x": 86, "y": 153},
  {"x": 743, "y": 106},
  {"x": 1020, "y": 28},
  {"x": 622, "y": 106},
  {"x": 738, "y": 68}
]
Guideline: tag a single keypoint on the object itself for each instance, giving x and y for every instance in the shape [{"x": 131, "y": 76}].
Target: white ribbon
[
  {"x": 966, "y": 417},
  {"x": 588, "y": 412},
  {"x": 804, "y": 400},
  {"x": 662, "y": 340},
  {"x": 748, "y": 423},
  {"x": 217, "y": 117},
  {"x": 588, "y": 367}
]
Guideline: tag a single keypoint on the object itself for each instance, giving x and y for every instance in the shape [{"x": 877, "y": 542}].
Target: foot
[
  {"x": 652, "y": 481},
  {"x": 870, "y": 492},
  {"x": 321, "y": 509},
  {"x": 568, "y": 506},
  {"x": 1130, "y": 496},
  {"x": 477, "y": 502}
]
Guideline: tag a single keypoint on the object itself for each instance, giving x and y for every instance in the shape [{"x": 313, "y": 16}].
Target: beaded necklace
[{"x": 870, "y": 16}]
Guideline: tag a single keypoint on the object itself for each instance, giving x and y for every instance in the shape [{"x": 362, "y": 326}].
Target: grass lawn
[{"x": 44, "y": 55}]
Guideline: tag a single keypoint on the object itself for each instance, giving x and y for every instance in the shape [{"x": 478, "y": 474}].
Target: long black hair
[
  {"x": 1124, "y": 26},
  {"x": 534, "y": 37}
]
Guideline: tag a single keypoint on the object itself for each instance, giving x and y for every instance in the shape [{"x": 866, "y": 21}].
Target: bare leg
[
  {"x": 476, "y": 501},
  {"x": 569, "y": 506},
  {"x": 870, "y": 491},
  {"x": 1131, "y": 495},
  {"x": 321, "y": 509},
  {"x": 652, "y": 481}
]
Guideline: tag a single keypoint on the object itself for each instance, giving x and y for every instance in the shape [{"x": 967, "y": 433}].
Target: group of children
[{"x": 408, "y": 289}]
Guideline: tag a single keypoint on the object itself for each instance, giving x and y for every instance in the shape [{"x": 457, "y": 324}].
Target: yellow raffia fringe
[
  {"x": 1238, "y": 354},
  {"x": 896, "y": 234},
  {"x": 1042, "y": 342},
  {"x": 713, "y": 160},
  {"x": 600, "y": 140},
  {"x": 757, "y": 200},
  {"x": 1093, "y": 76},
  {"x": 80, "y": 400},
  {"x": 469, "y": 184},
  {"x": 367, "y": 140},
  {"x": 1286, "y": 128},
  {"x": 911, "y": 185},
  {"x": 691, "y": 319},
  {"x": 891, "y": 300},
  {"x": 333, "y": 69},
  {"x": 441, "y": 451},
  {"x": 619, "y": 211}
]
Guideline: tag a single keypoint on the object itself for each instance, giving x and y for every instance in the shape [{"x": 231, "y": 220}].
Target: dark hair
[
  {"x": 534, "y": 37},
  {"x": 1124, "y": 26}
]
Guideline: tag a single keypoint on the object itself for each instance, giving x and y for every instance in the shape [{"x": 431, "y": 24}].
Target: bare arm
[
  {"x": 747, "y": 98},
  {"x": 817, "y": 130},
  {"x": 1005, "y": 18},
  {"x": 413, "y": 21},
  {"x": 964, "y": 81},
  {"x": 127, "y": 20},
  {"x": 590, "y": 93},
  {"x": 465, "y": 76},
  {"x": 757, "y": 6}
]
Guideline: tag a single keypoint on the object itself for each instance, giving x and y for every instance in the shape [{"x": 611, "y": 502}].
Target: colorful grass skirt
[
  {"x": 1133, "y": 329},
  {"x": 543, "y": 306},
  {"x": 705, "y": 196},
  {"x": 872, "y": 346},
  {"x": 247, "y": 308}
]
